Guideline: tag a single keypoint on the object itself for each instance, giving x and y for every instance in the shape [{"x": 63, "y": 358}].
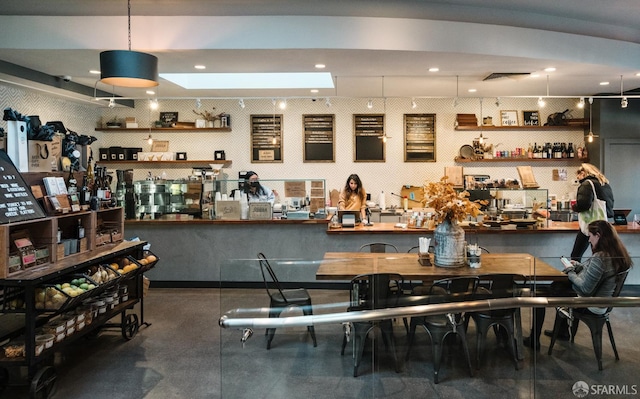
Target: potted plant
[
  {"x": 209, "y": 117},
  {"x": 450, "y": 207}
]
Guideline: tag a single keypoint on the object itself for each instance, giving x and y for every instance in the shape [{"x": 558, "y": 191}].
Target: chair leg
[
  {"x": 596, "y": 338},
  {"x": 613, "y": 342},
  {"x": 481, "y": 337},
  {"x": 436, "y": 344},
  {"x": 387, "y": 335},
  {"x": 411, "y": 334},
  {"x": 556, "y": 330},
  {"x": 465, "y": 347},
  {"x": 307, "y": 311}
]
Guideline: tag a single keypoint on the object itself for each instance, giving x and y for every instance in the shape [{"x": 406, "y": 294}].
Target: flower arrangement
[
  {"x": 209, "y": 116},
  {"x": 449, "y": 203}
]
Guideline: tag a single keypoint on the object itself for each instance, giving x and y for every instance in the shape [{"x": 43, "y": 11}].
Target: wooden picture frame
[
  {"x": 267, "y": 138},
  {"x": 531, "y": 118},
  {"x": 319, "y": 137},
  {"x": 508, "y": 118},
  {"x": 419, "y": 137},
  {"x": 368, "y": 134}
]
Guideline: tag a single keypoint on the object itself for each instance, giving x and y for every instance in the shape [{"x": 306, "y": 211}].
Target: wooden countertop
[
  {"x": 552, "y": 227},
  {"x": 227, "y": 222},
  {"x": 346, "y": 265}
]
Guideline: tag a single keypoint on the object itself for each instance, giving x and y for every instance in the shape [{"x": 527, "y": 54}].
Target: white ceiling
[{"x": 372, "y": 48}]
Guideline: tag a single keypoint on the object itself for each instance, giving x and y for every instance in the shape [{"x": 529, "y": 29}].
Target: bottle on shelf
[
  {"x": 72, "y": 183},
  {"x": 90, "y": 176},
  {"x": 571, "y": 151},
  {"x": 536, "y": 152},
  {"x": 530, "y": 151},
  {"x": 80, "y": 230},
  {"x": 85, "y": 192}
]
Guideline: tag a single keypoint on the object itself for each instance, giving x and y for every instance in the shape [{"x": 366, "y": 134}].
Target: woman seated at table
[
  {"x": 353, "y": 197},
  {"x": 593, "y": 277}
]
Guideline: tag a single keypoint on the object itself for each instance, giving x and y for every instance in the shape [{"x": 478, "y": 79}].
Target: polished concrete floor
[{"x": 184, "y": 354}]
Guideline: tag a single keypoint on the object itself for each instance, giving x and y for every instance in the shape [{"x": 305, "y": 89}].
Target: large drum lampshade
[{"x": 128, "y": 68}]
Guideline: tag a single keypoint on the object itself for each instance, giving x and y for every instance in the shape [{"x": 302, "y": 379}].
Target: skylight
[{"x": 287, "y": 80}]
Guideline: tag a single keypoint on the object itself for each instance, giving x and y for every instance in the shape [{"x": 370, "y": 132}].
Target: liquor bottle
[
  {"x": 536, "y": 153},
  {"x": 98, "y": 189},
  {"x": 85, "y": 192},
  {"x": 90, "y": 176},
  {"x": 572, "y": 153},
  {"x": 565, "y": 151},
  {"x": 80, "y": 230},
  {"x": 72, "y": 183},
  {"x": 530, "y": 151}
]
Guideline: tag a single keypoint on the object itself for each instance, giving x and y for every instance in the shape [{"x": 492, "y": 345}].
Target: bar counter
[{"x": 223, "y": 252}]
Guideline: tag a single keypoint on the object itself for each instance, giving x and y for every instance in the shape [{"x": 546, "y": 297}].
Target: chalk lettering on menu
[{"x": 17, "y": 203}]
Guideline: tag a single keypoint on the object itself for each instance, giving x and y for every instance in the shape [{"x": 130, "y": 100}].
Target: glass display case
[
  {"x": 154, "y": 198},
  {"x": 292, "y": 198}
]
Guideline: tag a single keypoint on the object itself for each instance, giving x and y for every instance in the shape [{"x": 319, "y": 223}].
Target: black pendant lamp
[{"x": 128, "y": 68}]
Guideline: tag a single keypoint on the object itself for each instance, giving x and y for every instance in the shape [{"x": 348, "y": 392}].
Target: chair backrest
[
  {"x": 455, "y": 288},
  {"x": 375, "y": 290},
  {"x": 379, "y": 247},
  {"x": 413, "y": 249},
  {"x": 269, "y": 277},
  {"x": 501, "y": 285},
  {"x": 620, "y": 279}
]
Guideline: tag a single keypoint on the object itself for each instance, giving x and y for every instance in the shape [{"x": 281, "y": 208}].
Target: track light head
[
  {"x": 624, "y": 102},
  {"x": 241, "y": 103},
  {"x": 112, "y": 103},
  {"x": 198, "y": 103},
  {"x": 414, "y": 105},
  {"x": 497, "y": 101},
  {"x": 327, "y": 102},
  {"x": 541, "y": 102},
  {"x": 581, "y": 103},
  {"x": 370, "y": 104},
  {"x": 283, "y": 104},
  {"x": 153, "y": 104}
]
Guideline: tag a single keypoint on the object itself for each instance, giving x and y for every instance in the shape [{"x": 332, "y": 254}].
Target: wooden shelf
[
  {"x": 225, "y": 163},
  {"x": 520, "y": 159},
  {"x": 156, "y": 129},
  {"x": 478, "y": 128}
]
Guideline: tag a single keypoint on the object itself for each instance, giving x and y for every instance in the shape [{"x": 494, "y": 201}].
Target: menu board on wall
[
  {"x": 266, "y": 138},
  {"x": 319, "y": 138},
  {"x": 419, "y": 137},
  {"x": 17, "y": 203},
  {"x": 368, "y": 133}
]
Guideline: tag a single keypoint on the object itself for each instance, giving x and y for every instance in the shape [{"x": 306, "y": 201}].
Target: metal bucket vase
[{"x": 449, "y": 245}]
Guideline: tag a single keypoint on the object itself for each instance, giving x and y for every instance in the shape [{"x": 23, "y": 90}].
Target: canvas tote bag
[{"x": 598, "y": 211}]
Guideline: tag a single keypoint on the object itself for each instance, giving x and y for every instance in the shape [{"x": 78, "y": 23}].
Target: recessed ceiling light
[
  {"x": 320, "y": 66},
  {"x": 472, "y": 90},
  {"x": 94, "y": 72},
  {"x": 604, "y": 83},
  {"x": 434, "y": 69},
  {"x": 550, "y": 69},
  {"x": 638, "y": 74},
  {"x": 535, "y": 75},
  {"x": 150, "y": 92},
  {"x": 199, "y": 67},
  {"x": 314, "y": 90}
]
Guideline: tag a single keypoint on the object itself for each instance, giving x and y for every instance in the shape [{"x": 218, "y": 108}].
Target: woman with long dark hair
[
  {"x": 353, "y": 197},
  {"x": 593, "y": 277}
]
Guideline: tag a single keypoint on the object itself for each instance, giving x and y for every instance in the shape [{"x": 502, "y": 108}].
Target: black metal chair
[
  {"x": 370, "y": 292},
  {"x": 379, "y": 247},
  {"x": 440, "y": 326},
  {"x": 493, "y": 286},
  {"x": 595, "y": 322},
  {"x": 280, "y": 299}
]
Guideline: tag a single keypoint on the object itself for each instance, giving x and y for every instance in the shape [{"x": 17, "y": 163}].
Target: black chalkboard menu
[
  {"x": 17, "y": 203},
  {"x": 368, "y": 134},
  {"x": 266, "y": 138},
  {"x": 319, "y": 138},
  {"x": 419, "y": 137}
]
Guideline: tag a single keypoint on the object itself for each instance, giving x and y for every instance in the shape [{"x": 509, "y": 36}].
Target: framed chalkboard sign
[
  {"x": 266, "y": 138},
  {"x": 368, "y": 134},
  {"x": 419, "y": 137},
  {"x": 17, "y": 202},
  {"x": 319, "y": 138},
  {"x": 531, "y": 118}
]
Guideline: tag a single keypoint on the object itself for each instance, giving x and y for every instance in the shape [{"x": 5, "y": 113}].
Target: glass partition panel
[{"x": 293, "y": 367}]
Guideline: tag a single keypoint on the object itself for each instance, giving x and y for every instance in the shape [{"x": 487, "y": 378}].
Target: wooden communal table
[{"x": 346, "y": 265}]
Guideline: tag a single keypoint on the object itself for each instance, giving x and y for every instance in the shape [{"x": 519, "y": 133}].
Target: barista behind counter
[{"x": 257, "y": 192}]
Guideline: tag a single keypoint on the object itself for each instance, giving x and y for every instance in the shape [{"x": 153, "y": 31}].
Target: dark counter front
[{"x": 213, "y": 252}]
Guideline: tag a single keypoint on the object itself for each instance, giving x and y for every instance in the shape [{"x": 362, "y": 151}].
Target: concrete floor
[{"x": 184, "y": 354}]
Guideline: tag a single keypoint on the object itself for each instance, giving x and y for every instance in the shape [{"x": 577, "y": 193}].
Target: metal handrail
[{"x": 228, "y": 321}]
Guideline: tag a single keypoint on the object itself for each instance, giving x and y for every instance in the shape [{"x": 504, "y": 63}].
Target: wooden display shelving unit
[{"x": 158, "y": 129}]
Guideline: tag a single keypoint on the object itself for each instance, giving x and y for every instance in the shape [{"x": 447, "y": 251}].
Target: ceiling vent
[{"x": 512, "y": 75}]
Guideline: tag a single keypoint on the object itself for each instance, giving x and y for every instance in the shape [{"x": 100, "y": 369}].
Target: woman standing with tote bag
[{"x": 591, "y": 181}]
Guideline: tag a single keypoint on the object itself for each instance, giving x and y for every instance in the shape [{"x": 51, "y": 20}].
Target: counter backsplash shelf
[{"x": 517, "y": 159}]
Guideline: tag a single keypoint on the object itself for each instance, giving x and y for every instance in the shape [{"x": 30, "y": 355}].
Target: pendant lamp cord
[{"x": 129, "y": 21}]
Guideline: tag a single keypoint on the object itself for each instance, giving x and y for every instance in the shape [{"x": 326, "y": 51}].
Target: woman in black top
[{"x": 584, "y": 198}]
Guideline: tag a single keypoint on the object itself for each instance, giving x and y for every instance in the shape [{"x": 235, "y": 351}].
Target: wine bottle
[
  {"x": 572, "y": 153},
  {"x": 85, "y": 192},
  {"x": 90, "y": 176},
  {"x": 80, "y": 230},
  {"x": 72, "y": 183}
]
